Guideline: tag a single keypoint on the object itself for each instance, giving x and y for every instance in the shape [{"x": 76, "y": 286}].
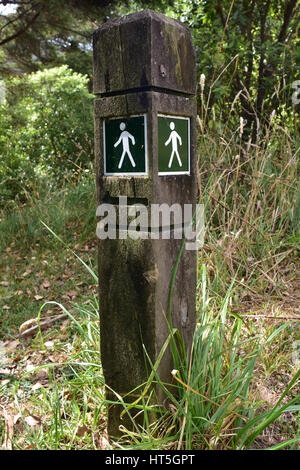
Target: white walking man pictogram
[
  {"x": 124, "y": 137},
  {"x": 174, "y": 137}
]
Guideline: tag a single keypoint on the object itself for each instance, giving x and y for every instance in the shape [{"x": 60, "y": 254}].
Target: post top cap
[
  {"x": 141, "y": 51},
  {"x": 138, "y": 16}
]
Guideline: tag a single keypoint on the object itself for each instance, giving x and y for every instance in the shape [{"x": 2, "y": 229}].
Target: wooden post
[{"x": 145, "y": 147}]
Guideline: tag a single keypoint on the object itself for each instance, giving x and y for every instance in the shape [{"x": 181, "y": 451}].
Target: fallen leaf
[
  {"x": 26, "y": 273},
  {"x": 29, "y": 367},
  {"x": 6, "y": 307},
  {"x": 46, "y": 284},
  {"x": 267, "y": 395},
  {"x": 49, "y": 344},
  {"x": 5, "y": 382},
  {"x": 32, "y": 421},
  {"x": 38, "y": 297},
  {"x": 72, "y": 294},
  {"x": 42, "y": 374},
  {"x": 82, "y": 430},
  {"x": 36, "y": 386},
  {"x": 4, "y": 283},
  {"x": 11, "y": 345}
]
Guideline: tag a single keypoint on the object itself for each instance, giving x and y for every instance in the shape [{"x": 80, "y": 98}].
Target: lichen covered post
[{"x": 145, "y": 148}]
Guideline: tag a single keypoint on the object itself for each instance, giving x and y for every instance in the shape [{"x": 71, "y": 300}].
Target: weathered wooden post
[{"x": 145, "y": 146}]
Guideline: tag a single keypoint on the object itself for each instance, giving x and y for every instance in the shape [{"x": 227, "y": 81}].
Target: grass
[
  {"x": 250, "y": 188},
  {"x": 34, "y": 265},
  {"x": 240, "y": 387},
  {"x": 218, "y": 404},
  {"x": 69, "y": 403}
]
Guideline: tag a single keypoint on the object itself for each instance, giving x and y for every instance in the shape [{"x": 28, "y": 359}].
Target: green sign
[
  {"x": 173, "y": 145},
  {"x": 125, "y": 146}
]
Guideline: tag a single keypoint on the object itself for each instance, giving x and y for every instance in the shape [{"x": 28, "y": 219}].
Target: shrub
[{"x": 46, "y": 130}]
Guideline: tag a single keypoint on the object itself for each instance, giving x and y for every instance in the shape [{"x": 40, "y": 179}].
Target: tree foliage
[
  {"x": 246, "y": 47},
  {"x": 46, "y": 129},
  {"x": 43, "y": 33},
  {"x": 46, "y": 33}
]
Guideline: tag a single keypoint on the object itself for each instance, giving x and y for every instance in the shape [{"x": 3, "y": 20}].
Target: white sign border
[
  {"x": 146, "y": 147},
  {"x": 174, "y": 173}
]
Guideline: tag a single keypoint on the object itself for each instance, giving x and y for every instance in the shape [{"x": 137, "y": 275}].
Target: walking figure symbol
[
  {"x": 174, "y": 137},
  {"x": 124, "y": 138}
]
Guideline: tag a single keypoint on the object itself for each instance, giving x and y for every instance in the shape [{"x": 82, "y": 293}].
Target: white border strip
[
  {"x": 146, "y": 147},
  {"x": 174, "y": 173}
]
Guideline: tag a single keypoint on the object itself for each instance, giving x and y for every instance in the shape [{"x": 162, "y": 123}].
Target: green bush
[{"x": 46, "y": 130}]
